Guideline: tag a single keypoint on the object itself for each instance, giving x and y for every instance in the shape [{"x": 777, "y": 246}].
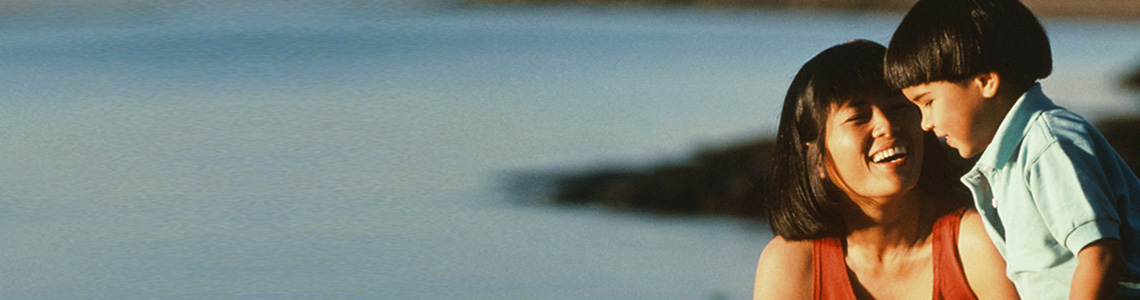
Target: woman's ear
[
  {"x": 821, "y": 164},
  {"x": 818, "y": 161},
  {"x": 988, "y": 83}
]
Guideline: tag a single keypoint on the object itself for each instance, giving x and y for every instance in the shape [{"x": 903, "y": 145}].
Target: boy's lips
[{"x": 944, "y": 138}]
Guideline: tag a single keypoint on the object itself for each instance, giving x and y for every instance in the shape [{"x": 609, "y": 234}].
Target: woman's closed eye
[{"x": 859, "y": 117}]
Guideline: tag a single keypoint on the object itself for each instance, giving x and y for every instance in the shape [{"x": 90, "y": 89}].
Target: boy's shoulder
[
  {"x": 1057, "y": 136},
  {"x": 1035, "y": 128},
  {"x": 1056, "y": 124}
]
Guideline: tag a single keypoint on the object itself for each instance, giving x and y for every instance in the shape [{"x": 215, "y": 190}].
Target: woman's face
[{"x": 874, "y": 146}]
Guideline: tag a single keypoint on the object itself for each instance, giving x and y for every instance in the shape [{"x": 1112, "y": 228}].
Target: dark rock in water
[
  {"x": 1124, "y": 133},
  {"x": 1124, "y": 136},
  {"x": 1133, "y": 81},
  {"x": 726, "y": 181}
]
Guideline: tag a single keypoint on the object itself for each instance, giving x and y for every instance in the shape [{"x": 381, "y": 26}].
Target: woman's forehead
[
  {"x": 863, "y": 102},
  {"x": 852, "y": 102},
  {"x": 868, "y": 99}
]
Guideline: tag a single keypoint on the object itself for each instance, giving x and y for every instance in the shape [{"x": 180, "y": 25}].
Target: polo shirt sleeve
[{"x": 1072, "y": 194}]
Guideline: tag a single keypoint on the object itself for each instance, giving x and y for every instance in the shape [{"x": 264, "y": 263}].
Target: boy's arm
[
  {"x": 1098, "y": 265},
  {"x": 1072, "y": 190}
]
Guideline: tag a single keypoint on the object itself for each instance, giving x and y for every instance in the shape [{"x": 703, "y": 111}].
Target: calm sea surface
[{"x": 342, "y": 150}]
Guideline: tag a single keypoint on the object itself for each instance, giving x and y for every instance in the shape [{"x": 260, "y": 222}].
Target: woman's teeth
[{"x": 889, "y": 154}]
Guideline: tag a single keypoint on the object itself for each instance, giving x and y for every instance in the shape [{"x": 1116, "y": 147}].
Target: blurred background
[{"x": 437, "y": 149}]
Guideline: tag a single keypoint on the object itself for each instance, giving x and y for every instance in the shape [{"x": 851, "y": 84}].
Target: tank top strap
[
  {"x": 949, "y": 279},
  {"x": 829, "y": 268}
]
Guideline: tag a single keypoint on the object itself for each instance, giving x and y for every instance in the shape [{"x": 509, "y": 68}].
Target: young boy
[{"x": 1060, "y": 205}]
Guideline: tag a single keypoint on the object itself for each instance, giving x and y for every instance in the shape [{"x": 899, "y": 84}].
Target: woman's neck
[{"x": 887, "y": 226}]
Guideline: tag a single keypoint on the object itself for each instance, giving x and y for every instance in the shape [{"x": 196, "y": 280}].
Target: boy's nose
[{"x": 927, "y": 124}]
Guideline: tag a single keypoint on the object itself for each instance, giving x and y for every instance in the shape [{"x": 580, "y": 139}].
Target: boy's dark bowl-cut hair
[
  {"x": 953, "y": 40},
  {"x": 799, "y": 204}
]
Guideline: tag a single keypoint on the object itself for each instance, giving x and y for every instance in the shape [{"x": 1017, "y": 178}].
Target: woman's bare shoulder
[
  {"x": 784, "y": 270},
  {"x": 971, "y": 231},
  {"x": 973, "y": 241},
  {"x": 785, "y": 250},
  {"x": 981, "y": 261}
]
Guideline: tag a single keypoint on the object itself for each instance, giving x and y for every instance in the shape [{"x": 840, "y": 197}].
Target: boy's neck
[
  {"x": 1011, "y": 92},
  {"x": 1003, "y": 103}
]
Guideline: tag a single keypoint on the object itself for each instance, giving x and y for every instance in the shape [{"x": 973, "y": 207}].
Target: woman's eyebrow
[{"x": 858, "y": 103}]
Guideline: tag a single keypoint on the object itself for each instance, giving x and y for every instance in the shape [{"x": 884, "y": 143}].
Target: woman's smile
[
  {"x": 871, "y": 141},
  {"x": 889, "y": 155}
]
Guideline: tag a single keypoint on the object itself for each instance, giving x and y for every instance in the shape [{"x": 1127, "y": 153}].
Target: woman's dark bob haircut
[
  {"x": 799, "y": 204},
  {"x": 954, "y": 40}
]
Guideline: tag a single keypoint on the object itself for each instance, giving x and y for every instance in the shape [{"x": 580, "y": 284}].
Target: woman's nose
[{"x": 882, "y": 124}]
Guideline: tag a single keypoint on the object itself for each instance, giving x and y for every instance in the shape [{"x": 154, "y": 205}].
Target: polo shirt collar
[{"x": 1013, "y": 128}]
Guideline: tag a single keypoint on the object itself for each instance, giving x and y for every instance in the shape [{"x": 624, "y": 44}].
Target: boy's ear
[{"x": 988, "y": 83}]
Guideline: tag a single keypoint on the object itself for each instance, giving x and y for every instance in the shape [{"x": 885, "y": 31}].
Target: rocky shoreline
[
  {"x": 1112, "y": 9},
  {"x": 722, "y": 181}
]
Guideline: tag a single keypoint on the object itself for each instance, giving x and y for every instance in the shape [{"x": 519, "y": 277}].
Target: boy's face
[{"x": 960, "y": 112}]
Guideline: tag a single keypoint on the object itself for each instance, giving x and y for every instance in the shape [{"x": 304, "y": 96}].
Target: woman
[{"x": 863, "y": 203}]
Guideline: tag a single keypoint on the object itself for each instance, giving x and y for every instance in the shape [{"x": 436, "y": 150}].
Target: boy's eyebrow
[{"x": 919, "y": 96}]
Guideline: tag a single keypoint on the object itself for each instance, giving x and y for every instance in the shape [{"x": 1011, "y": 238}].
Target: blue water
[{"x": 346, "y": 150}]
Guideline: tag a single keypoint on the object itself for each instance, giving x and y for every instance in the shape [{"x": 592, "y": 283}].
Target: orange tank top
[{"x": 830, "y": 268}]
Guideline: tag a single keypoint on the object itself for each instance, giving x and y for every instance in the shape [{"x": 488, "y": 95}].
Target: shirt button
[{"x": 988, "y": 169}]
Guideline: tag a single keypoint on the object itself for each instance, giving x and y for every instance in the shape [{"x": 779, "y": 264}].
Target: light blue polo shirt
[{"x": 1047, "y": 186}]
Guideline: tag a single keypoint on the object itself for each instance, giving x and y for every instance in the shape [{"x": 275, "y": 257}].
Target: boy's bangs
[
  {"x": 942, "y": 53},
  {"x": 954, "y": 40},
  {"x": 927, "y": 65}
]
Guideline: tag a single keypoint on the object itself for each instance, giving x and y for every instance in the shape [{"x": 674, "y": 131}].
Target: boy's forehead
[
  {"x": 940, "y": 84},
  {"x": 916, "y": 91}
]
